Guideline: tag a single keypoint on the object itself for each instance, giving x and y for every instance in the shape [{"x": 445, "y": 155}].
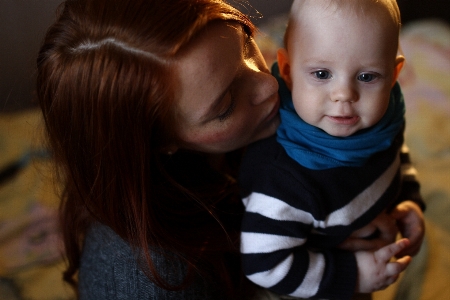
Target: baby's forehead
[
  {"x": 306, "y": 13},
  {"x": 343, "y": 22},
  {"x": 366, "y": 8}
]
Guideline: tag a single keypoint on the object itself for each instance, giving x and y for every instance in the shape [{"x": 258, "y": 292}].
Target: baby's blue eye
[
  {"x": 366, "y": 77},
  {"x": 322, "y": 74}
]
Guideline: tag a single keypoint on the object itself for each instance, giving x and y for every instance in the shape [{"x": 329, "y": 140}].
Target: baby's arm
[
  {"x": 275, "y": 255},
  {"x": 406, "y": 217},
  {"x": 376, "y": 271},
  {"x": 410, "y": 207}
]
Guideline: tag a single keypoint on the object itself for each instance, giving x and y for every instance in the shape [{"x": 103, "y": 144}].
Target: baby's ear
[
  {"x": 399, "y": 61},
  {"x": 284, "y": 66}
]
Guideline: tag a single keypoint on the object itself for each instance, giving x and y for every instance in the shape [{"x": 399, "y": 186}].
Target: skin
[
  {"x": 340, "y": 68},
  {"x": 227, "y": 97}
]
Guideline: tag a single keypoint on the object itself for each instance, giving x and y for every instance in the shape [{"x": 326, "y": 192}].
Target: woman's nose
[{"x": 261, "y": 87}]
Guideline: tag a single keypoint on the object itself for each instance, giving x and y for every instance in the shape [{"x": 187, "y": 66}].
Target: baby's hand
[{"x": 376, "y": 271}]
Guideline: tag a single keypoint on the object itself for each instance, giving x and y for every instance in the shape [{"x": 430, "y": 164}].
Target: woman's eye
[
  {"x": 322, "y": 74},
  {"x": 228, "y": 112},
  {"x": 366, "y": 77}
]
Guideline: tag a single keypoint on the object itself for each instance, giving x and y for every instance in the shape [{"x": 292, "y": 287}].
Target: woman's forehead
[{"x": 207, "y": 67}]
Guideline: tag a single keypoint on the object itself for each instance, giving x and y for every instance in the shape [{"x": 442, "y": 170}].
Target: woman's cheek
[{"x": 214, "y": 139}]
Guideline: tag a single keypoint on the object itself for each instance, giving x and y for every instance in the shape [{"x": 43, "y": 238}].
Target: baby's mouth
[{"x": 344, "y": 120}]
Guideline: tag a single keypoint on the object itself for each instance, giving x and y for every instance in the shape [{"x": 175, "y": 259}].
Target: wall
[{"x": 22, "y": 25}]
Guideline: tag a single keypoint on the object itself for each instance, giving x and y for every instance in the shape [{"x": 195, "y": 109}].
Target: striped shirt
[{"x": 296, "y": 217}]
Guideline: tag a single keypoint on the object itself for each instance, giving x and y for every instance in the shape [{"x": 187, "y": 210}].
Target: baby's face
[{"x": 342, "y": 69}]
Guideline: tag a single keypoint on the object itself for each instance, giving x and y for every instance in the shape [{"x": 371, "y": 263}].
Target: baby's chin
[{"x": 341, "y": 132}]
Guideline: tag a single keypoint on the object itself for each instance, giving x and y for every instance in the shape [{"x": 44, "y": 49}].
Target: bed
[{"x": 30, "y": 248}]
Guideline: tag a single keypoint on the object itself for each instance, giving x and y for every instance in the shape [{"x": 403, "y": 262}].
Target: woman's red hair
[{"x": 105, "y": 87}]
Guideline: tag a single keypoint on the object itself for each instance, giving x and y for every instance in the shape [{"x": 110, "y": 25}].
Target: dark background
[
  {"x": 23, "y": 24},
  {"x": 410, "y": 9}
]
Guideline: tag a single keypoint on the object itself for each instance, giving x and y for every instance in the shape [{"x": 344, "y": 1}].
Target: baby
[{"x": 337, "y": 162}]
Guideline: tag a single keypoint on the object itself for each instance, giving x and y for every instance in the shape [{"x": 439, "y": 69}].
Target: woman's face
[{"x": 227, "y": 97}]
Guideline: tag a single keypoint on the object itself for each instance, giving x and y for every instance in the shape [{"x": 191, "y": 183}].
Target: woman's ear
[
  {"x": 399, "y": 61},
  {"x": 169, "y": 149},
  {"x": 284, "y": 66}
]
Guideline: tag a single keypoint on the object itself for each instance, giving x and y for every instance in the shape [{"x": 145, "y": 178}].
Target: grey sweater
[{"x": 109, "y": 270}]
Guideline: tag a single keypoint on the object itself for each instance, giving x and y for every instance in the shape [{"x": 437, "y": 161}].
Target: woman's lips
[
  {"x": 344, "y": 120},
  {"x": 274, "y": 111}
]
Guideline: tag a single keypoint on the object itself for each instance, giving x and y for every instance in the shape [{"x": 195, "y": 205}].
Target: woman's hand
[
  {"x": 385, "y": 227},
  {"x": 410, "y": 221}
]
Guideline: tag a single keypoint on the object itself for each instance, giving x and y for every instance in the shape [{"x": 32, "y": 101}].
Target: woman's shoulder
[
  {"x": 105, "y": 239},
  {"x": 102, "y": 246},
  {"x": 109, "y": 269}
]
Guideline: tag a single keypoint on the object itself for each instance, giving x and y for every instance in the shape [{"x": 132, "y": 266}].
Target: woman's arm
[{"x": 109, "y": 270}]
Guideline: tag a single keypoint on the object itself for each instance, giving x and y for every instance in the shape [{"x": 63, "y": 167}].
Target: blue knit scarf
[{"x": 315, "y": 149}]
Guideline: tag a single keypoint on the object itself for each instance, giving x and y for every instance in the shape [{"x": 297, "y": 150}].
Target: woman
[{"x": 146, "y": 104}]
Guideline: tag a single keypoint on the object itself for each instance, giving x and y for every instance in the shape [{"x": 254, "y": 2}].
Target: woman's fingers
[
  {"x": 385, "y": 228},
  {"x": 358, "y": 244},
  {"x": 411, "y": 223}
]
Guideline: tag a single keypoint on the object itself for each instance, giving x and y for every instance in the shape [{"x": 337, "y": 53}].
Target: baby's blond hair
[{"x": 364, "y": 8}]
